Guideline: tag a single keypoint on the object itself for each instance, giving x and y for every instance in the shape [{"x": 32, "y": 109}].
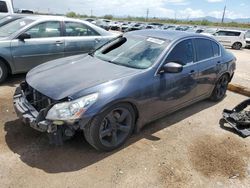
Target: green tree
[
  {"x": 108, "y": 17},
  {"x": 71, "y": 14}
]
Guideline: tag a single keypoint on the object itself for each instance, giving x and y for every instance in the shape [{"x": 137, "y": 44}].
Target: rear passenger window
[
  {"x": 228, "y": 33},
  {"x": 182, "y": 53},
  {"x": 216, "y": 49},
  {"x": 204, "y": 49},
  {"x": 3, "y": 7},
  {"x": 75, "y": 29}
]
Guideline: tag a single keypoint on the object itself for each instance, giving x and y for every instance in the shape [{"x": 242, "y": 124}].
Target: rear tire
[
  {"x": 220, "y": 88},
  {"x": 237, "y": 46},
  {"x": 111, "y": 128},
  {"x": 3, "y": 71}
]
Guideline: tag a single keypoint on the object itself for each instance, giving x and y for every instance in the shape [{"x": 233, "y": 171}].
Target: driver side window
[
  {"x": 46, "y": 29},
  {"x": 182, "y": 53}
]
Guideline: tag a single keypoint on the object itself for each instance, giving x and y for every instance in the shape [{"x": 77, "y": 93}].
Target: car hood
[{"x": 67, "y": 76}]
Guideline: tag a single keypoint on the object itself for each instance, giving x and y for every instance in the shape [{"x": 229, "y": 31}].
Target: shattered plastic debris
[{"x": 238, "y": 118}]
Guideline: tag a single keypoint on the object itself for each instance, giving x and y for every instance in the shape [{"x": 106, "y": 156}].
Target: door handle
[
  {"x": 97, "y": 40},
  {"x": 59, "y": 42},
  {"x": 192, "y": 72}
]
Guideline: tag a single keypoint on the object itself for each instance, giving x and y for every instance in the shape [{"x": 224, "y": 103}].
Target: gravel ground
[{"x": 185, "y": 149}]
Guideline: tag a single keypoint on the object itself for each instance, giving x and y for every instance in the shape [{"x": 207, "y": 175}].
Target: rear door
[
  {"x": 80, "y": 38},
  {"x": 45, "y": 44},
  {"x": 208, "y": 61}
]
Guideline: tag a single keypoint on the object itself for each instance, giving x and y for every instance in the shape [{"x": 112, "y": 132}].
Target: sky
[{"x": 180, "y": 9}]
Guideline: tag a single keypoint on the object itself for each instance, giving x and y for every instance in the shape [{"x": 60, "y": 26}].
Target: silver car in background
[{"x": 30, "y": 41}]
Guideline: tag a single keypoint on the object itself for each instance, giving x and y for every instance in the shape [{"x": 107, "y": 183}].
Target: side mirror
[
  {"x": 24, "y": 36},
  {"x": 172, "y": 67}
]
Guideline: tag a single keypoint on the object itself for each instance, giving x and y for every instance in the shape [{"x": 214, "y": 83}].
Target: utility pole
[
  {"x": 224, "y": 12},
  {"x": 91, "y": 13},
  {"x": 147, "y": 13}
]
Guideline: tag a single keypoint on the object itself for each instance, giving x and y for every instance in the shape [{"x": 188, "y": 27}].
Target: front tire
[
  {"x": 111, "y": 128},
  {"x": 3, "y": 72},
  {"x": 220, "y": 88}
]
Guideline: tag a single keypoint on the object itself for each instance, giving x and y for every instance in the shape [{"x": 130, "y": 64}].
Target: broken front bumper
[{"x": 29, "y": 115}]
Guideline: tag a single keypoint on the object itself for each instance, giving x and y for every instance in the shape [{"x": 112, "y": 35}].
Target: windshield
[
  {"x": 132, "y": 51},
  {"x": 14, "y": 26}
]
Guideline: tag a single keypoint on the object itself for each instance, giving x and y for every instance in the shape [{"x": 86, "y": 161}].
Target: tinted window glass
[
  {"x": 221, "y": 33},
  {"x": 3, "y": 7},
  {"x": 204, "y": 49},
  {"x": 228, "y": 33},
  {"x": 44, "y": 30},
  {"x": 78, "y": 29},
  {"x": 182, "y": 53},
  {"x": 216, "y": 49}
]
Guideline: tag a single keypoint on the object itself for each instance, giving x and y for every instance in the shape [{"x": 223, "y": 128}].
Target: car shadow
[
  {"x": 13, "y": 80},
  {"x": 35, "y": 151}
]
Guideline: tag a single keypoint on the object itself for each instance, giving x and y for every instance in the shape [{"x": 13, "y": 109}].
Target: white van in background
[
  {"x": 248, "y": 39},
  {"x": 6, "y": 8},
  {"x": 231, "y": 38}
]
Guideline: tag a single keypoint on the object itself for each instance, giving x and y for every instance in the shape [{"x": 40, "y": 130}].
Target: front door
[
  {"x": 45, "y": 44},
  {"x": 174, "y": 90}
]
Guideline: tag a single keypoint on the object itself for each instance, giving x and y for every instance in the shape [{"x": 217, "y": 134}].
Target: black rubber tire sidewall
[
  {"x": 214, "y": 97},
  {"x": 236, "y": 48},
  {"x": 91, "y": 132},
  {"x": 4, "y": 70}
]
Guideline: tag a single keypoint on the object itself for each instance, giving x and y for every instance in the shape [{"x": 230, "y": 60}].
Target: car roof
[
  {"x": 233, "y": 30},
  {"x": 54, "y": 18},
  {"x": 166, "y": 34}
]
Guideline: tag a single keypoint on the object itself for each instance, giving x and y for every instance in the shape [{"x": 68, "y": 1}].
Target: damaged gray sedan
[{"x": 133, "y": 80}]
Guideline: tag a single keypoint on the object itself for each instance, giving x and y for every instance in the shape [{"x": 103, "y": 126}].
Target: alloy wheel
[
  {"x": 221, "y": 86},
  {"x": 115, "y": 127}
]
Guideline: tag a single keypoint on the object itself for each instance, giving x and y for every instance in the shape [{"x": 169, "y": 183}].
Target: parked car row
[
  {"x": 235, "y": 39},
  {"x": 27, "y": 41}
]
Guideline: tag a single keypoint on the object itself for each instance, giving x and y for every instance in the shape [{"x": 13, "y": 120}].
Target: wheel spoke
[
  {"x": 111, "y": 118},
  {"x": 114, "y": 138},
  {"x": 123, "y": 116},
  {"x": 123, "y": 128},
  {"x": 105, "y": 132}
]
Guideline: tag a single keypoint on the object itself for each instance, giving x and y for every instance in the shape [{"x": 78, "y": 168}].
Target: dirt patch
[
  {"x": 219, "y": 156},
  {"x": 172, "y": 177}
]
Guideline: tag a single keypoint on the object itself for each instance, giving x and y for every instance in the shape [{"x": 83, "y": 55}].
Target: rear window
[
  {"x": 204, "y": 49},
  {"x": 3, "y": 7}
]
